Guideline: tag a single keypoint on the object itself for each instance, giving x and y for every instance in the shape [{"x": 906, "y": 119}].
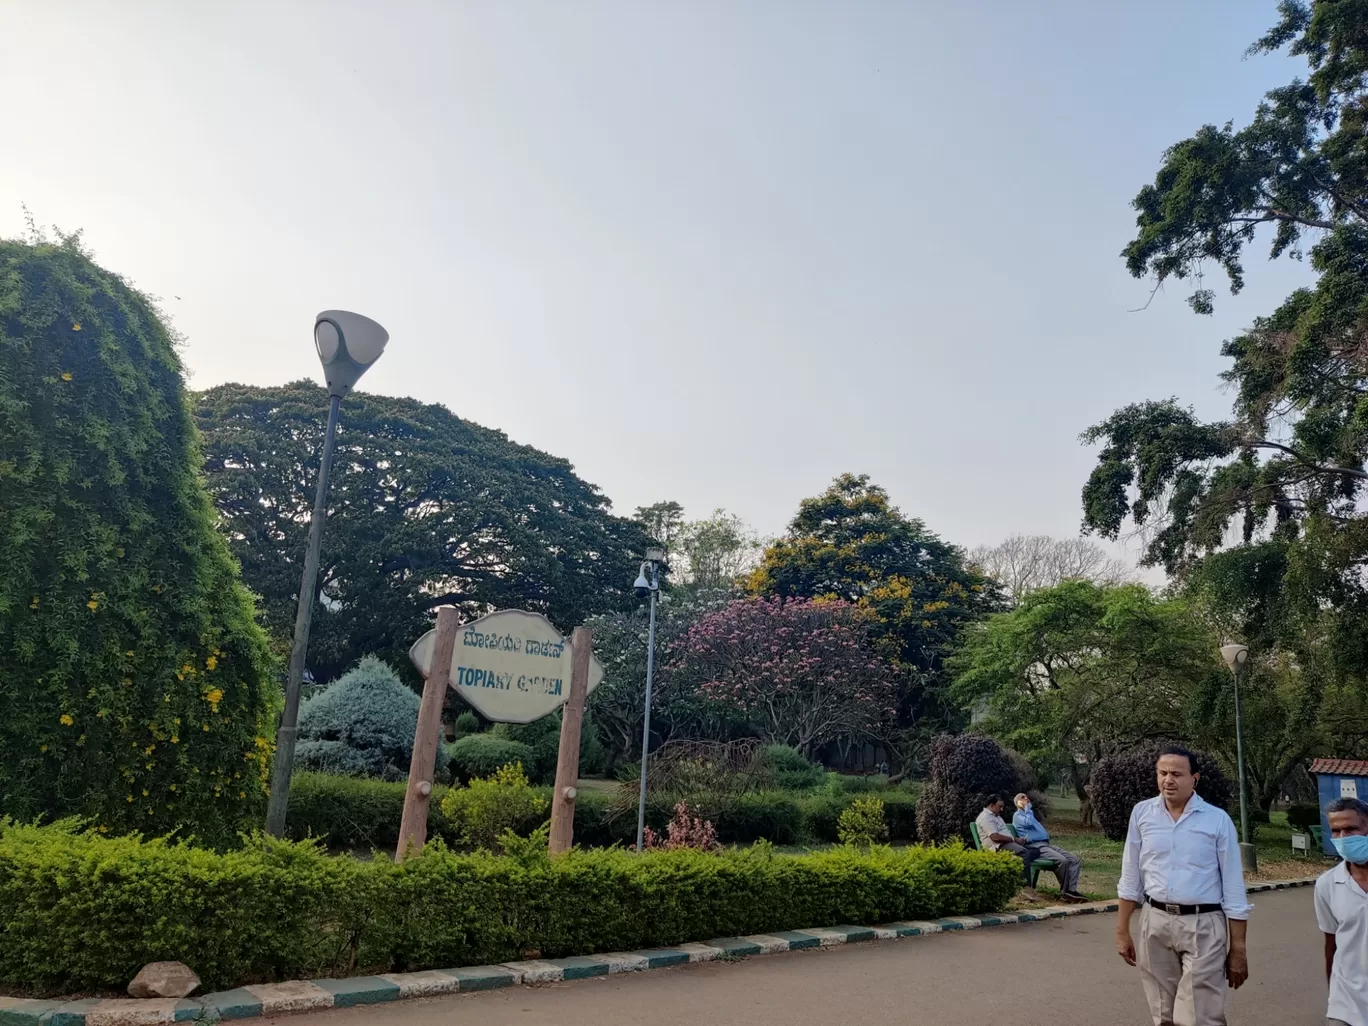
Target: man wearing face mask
[
  {"x": 1342, "y": 914},
  {"x": 1030, "y": 831}
]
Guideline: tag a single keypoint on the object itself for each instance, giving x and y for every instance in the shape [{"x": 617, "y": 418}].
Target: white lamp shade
[
  {"x": 1234, "y": 655},
  {"x": 347, "y": 344}
]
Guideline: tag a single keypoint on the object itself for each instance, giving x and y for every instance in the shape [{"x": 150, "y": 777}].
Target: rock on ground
[{"x": 164, "y": 980}]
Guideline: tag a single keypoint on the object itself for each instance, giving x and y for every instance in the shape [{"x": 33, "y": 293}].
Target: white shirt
[
  {"x": 1194, "y": 860},
  {"x": 989, "y": 823},
  {"x": 1342, "y": 909}
]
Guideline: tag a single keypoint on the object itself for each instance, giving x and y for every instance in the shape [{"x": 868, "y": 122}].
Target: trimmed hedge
[
  {"x": 1121, "y": 781},
  {"x": 84, "y": 912},
  {"x": 479, "y": 755},
  {"x": 1303, "y": 814}
]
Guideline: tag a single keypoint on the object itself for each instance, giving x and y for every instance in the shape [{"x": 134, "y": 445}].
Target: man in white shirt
[
  {"x": 1342, "y": 914},
  {"x": 1182, "y": 861},
  {"x": 994, "y": 836}
]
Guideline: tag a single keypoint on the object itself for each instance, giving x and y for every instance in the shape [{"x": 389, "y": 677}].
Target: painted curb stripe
[{"x": 310, "y": 995}]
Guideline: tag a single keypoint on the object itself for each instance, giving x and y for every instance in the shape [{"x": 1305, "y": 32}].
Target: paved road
[{"x": 1058, "y": 973}]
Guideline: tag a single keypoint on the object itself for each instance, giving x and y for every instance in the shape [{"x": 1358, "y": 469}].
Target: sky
[{"x": 708, "y": 251}]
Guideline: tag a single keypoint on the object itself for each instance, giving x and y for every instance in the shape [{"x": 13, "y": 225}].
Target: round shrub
[
  {"x": 542, "y": 736},
  {"x": 863, "y": 822},
  {"x": 1118, "y": 782},
  {"x": 480, "y": 755},
  {"x": 482, "y": 810},
  {"x": 137, "y": 687},
  {"x": 965, "y": 770},
  {"x": 788, "y": 769},
  {"x": 467, "y": 723},
  {"x": 361, "y": 726}
]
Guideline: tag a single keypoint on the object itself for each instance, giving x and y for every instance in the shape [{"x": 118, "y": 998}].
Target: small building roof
[{"x": 1341, "y": 767}]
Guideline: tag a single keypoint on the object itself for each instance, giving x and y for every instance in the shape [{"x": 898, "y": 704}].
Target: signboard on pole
[{"x": 511, "y": 666}]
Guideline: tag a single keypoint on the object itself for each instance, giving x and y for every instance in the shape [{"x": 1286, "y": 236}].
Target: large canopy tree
[
  {"x": 135, "y": 684},
  {"x": 425, "y": 509},
  {"x": 1276, "y": 491},
  {"x": 917, "y": 591}
]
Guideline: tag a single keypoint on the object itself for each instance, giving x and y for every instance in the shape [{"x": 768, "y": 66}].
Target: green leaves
[{"x": 425, "y": 509}]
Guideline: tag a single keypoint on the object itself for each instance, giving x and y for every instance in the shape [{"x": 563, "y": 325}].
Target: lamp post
[
  {"x": 1236, "y": 656},
  {"x": 347, "y": 345},
  {"x": 647, "y": 587}
]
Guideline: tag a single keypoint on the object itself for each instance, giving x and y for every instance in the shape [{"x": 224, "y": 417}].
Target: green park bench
[{"x": 1036, "y": 866}]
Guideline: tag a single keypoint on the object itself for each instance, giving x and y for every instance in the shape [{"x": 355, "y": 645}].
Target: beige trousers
[{"x": 1182, "y": 961}]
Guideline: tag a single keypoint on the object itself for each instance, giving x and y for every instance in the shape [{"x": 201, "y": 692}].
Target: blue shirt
[
  {"x": 1194, "y": 860},
  {"x": 1028, "y": 828}
]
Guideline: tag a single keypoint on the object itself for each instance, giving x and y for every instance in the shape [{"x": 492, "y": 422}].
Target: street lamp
[
  {"x": 647, "y": 587},
  {"x": 1236, "y": 656},
  {"x": 347, "y": 345}
]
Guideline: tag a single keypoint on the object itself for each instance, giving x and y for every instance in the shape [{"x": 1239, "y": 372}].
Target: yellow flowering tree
[
  {"x": 917, "y": 592},
  {"x": 135, "y": 685}
]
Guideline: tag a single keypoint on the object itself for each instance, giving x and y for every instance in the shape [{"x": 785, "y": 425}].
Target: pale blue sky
[{"x": 711, "y": 251}]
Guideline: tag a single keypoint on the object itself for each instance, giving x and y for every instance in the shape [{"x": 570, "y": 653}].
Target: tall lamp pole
[
  {"x": 647, "y": 587},
  {"x": 1236, "y": 656},
  {"x": 347, "y": 345}
]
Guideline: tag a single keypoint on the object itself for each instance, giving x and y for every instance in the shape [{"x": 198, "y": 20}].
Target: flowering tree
[{"x": 801, "y": 672}]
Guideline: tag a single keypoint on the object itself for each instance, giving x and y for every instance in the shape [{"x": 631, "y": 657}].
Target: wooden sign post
[
  {"x": 567, "y": 762},
  {"x": 413, "y": 827}
]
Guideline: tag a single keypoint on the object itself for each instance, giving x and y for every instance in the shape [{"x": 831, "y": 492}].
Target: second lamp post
[
  {"x": 1236, "y": 656},
  {"x": 647, "y": 587}
]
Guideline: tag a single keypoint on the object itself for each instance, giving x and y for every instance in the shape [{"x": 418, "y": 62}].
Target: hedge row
[
  {"x": 83, "y": 912},
  {"x": 352, "y": 813}
]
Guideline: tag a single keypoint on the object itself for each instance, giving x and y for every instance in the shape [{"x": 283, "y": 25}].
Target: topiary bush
[
  {"x": 863, "y": 822},
  {"x": 505, "y": 800},
  {"x": 1120, "y": 781},
  {"x": 965, "y": 770},
  {"x": 361, "y": 726},
  {"x": 1303, "y": 814},
  {"x": 137, "y": 689},
  {"x": 466, "y": 723},
  {"x": 279, "y": 910},
  {"x": 479, "y": 755},
  {"x": 542, "y": 737},
  {"x": 787, "y": 769}
]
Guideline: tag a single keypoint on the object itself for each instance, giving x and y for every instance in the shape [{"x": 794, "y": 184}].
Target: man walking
[
  {"x": 993, "y": 836},
  {"x": 1342, "y": 914},
  {"x": 1182, "y": 861},
  {"x": 1067, "y": 864}
]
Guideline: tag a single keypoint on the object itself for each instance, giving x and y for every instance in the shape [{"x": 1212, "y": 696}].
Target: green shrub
[
  {"x": 137, "y": 687},
  {"x": 900, "y": 810},
  {"x": 774, "y": 816},
  {"x": 1303, "y": 815},
  {"x": 479, "y": 755},
  {"x": 542, "y": 736},
  {"x": 362, "y": 725},
  {"x": 482, "y": 810},
  {"x": 467, "y": 723},
  {"x": 965, "y": 770},
  {"x": 863, "y": 823},
  {"x": 787, "y": 769},
  {"x": 346, "y": 812},
  {"x": 1121, "y": 781},
  {"x": 84, "y": 912}
]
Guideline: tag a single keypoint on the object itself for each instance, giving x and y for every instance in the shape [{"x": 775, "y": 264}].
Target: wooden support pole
[
  {"x": 567, "y": 762},
  {"x": 413, "y": 826}
]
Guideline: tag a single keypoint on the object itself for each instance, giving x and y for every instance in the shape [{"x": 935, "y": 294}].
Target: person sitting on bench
[
  {"x": 993, "y": 835},
  {"x": 1067, "y": 865}
]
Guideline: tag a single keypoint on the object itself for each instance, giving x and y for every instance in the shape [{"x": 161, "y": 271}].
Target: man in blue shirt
[{"x": 1030, "y": 831}]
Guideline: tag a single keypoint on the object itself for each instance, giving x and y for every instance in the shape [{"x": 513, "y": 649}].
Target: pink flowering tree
[{"x": 800, "y": 672}]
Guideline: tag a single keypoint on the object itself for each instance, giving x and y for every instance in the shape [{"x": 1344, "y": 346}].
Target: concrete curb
[{"x": 266, "y": 999}]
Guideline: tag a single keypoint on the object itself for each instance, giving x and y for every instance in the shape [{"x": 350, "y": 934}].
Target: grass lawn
[{"x": 1102, "y": 858}]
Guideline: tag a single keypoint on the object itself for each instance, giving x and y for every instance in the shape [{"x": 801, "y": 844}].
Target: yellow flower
[
  {"x": 206, "y": 728},
  {"x": 214, "y": 697},
  {"x": 75, "y": 325},
  {"x": 175, "y": 740},
  {"x": 129, "y": 799},
  {"x": 92, "y": 605},
  {"x": 129, "y": 653},
  {"x": 144, "y": 792},
  {"x": 66, "y": 375},
  {"x": 65, "y": 720},
  {"x": 211, "y": 663},
  {"x": 103, "y": 829},
  {"x": 242, "y": 794},
  {"x": 42, "y": 748},
  {"x": 187, "y": 668},
  {"x": 34, "y": 603}
]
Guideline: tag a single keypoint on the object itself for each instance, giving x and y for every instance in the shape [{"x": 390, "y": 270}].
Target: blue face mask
[{"x": 1353, "y": 848}]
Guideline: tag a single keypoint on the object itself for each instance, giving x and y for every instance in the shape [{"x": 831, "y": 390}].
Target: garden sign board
[{"x": 511, "y": 666}]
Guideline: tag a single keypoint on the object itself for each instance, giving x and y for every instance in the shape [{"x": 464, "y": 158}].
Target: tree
[
  {"x": 135, "y": 685},
  {"x": 716, "y": 551},
  {"x": 425, "y": 510},
  {"x": 662, "y": 521},
  {"x": 850, "y": 543},
  {"x": 1269, "y": 502},
  {"x": 1026, "y": 563},
  {"x": 800, "y": 672},
  {"x": 1079, "y": 671},
  {"x": 618, "y": 704}
]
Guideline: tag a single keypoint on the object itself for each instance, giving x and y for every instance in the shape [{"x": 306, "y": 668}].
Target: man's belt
[{"x": 1183, "y": 910}]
